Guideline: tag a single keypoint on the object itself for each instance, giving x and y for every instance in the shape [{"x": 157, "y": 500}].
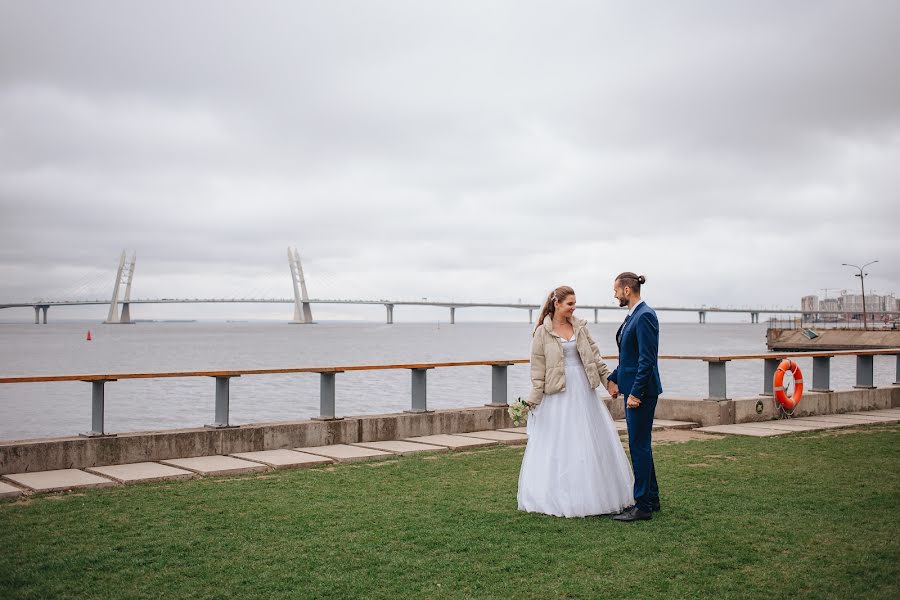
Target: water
[{"x": 58, "y": 409}]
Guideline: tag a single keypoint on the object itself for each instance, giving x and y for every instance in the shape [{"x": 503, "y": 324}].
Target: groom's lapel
[
  {"x": 629, "y": 321},
  {"x": 619, "y": 332}
]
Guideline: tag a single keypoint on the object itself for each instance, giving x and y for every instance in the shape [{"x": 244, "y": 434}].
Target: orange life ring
[{"x": 788, "y": 402}]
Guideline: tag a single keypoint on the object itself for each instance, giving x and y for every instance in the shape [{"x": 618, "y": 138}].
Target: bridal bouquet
[{"x": 518, "y": 410}]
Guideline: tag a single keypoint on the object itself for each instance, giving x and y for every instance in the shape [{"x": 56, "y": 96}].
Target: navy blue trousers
[{"x": 640, "y": 426}]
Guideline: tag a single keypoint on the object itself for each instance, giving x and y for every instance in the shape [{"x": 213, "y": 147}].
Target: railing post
[
  {"x": 390, "y": 313},
  {"x": 897, "y": 376},
  {"x": 222, "y": 402},
  {"x": 865, "y": 377},
  {"x": 770, "y": 365},
  {"x": 530, "y": 316},
  {"x": 717, "y": 385},
  {"x": 821, "y": 381},
  {"x": 452, "y": 315},
  {"x": 595, "y": 316},
  {"x": 98, "y": 409},
  {"x": 326, "y": 396},
  {"x": 499, "y": 388},
  {"x": 419, "y": 402}
]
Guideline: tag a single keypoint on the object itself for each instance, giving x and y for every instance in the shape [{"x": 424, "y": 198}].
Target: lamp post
[{"x": 862, "y": 281}]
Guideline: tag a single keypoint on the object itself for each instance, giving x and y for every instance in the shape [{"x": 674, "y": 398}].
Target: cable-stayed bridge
[
  {"x": 120, "y": 307},
  {"x": 388, "y": 304}
]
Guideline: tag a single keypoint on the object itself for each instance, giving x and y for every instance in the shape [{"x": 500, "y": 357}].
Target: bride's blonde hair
[{"x": 549, "y": 307}]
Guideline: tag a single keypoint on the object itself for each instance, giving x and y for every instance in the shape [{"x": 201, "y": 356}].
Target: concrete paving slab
[
  {"x": 142, "y": 472},
  {"x": 787, "y": 425},
  {"x": 216, "y": 465},
  {"x": 283, "y": 459},
  {"x": 833, "y": 418},
  {"x": 669, "y": 424},
  {"x": 59, "y": 480},
  {"x": 857, "y": 417},
  {"x": 400, "y": 447},
  {"x": 515, "y": 429},
  {"x": 846, "y": 421},
  {"x": 874, "y": 414},
  {"x": 9, "y": 491},
  {"x": 454, "y": 442},
  {"x": 828, "y": 424},
  {"x": 344, "y": 453},
  {"x": 741, "y": 429},
  {"x": 507, "y": 438},
  {"x": 659, "y": 424}
]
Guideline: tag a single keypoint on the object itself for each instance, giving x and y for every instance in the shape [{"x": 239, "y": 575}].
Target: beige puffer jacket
[{"x": 548, "y": 370}]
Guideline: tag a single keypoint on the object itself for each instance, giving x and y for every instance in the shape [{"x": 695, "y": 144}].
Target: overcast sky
[{"x": 733, "y": 152}]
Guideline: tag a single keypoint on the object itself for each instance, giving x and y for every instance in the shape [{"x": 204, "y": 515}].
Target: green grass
[{"x": 812, "y": 515}]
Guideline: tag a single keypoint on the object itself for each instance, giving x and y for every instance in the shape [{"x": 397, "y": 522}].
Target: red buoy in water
[{"x": 88, "y": 335}]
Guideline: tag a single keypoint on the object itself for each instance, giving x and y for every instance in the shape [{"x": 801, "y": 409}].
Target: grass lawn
[{"x": 811, "y": 515}]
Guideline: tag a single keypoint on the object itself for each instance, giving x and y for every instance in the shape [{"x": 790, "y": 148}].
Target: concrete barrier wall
[{"x": 80, "y": 452}]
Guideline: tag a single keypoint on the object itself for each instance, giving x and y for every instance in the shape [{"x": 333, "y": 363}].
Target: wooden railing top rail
[
  {"x": 476, "y": 363},
  {"x": 332, "y": 369}
]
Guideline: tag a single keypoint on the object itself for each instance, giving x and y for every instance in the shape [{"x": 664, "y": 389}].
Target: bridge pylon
[
  {"x": 302, "y": 310},
  {"x": 124, "y": 274}
]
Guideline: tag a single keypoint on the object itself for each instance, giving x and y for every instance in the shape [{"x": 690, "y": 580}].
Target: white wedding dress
[{"x": 574, "y": 464}]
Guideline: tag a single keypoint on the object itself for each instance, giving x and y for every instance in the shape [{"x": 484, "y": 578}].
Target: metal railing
[{"x": 717, "y": 367}]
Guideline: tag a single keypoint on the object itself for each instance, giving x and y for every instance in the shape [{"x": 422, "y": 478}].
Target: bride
[{"x": 574, "y": 464}]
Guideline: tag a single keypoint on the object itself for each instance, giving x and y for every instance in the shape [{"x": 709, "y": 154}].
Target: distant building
[
  {"x": 851, "y": 305},
  {"x": 810, "y": 306},
  {"x": 830, "y": 305}
]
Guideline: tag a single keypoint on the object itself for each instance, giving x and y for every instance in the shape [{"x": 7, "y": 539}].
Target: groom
[{"x": 637, "y": 378}]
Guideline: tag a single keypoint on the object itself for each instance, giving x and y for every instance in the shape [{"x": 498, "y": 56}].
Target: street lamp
[{"x": 862, "y": 282}]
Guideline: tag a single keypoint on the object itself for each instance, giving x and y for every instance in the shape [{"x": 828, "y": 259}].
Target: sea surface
[{"x": 32, "y": 410}]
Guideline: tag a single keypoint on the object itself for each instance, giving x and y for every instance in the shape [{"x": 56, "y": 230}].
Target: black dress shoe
[
  {"x": 654, "y": 506},
  {"x": 635, "y": 514}
]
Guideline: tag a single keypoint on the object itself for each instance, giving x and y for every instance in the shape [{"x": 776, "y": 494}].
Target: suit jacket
[{"x": 638, "y": 370}]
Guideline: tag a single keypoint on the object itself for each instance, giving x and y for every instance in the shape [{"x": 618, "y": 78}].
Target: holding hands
[{"x": 613, "y": 388}]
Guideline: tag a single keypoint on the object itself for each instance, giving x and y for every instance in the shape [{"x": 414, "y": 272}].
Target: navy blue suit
[{"x": 638, "y": 375}]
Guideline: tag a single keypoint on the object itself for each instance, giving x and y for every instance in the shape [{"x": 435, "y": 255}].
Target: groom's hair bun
[{"x": 631, "y": 280}]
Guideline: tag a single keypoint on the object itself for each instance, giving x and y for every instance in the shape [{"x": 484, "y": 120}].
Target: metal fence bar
[
  {"x": 865, "y": 372},
  {"x": 98, "y": 408},
  {"x": 223, "y": 400},
  {"x": 499, "y": 389},
  {"x": 419, "y": 400},
  {"x": 717, "y": 380},
  {"x": 821, "y": 381},
  {"x": 769, "y": 367},
  {"x": 326, "y": 396},
  {"x": 897, "y": 376}
]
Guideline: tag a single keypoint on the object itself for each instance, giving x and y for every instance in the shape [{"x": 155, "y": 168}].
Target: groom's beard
[{"x": 623, "y": 303}]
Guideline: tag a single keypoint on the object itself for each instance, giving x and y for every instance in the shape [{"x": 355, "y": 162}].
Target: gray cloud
[{"x": 736, "y": 154}]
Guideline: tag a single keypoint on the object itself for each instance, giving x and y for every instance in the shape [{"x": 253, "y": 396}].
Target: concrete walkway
[
  {"x": 814, "y": 423},
  {"x": 17, "y": 484}
]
